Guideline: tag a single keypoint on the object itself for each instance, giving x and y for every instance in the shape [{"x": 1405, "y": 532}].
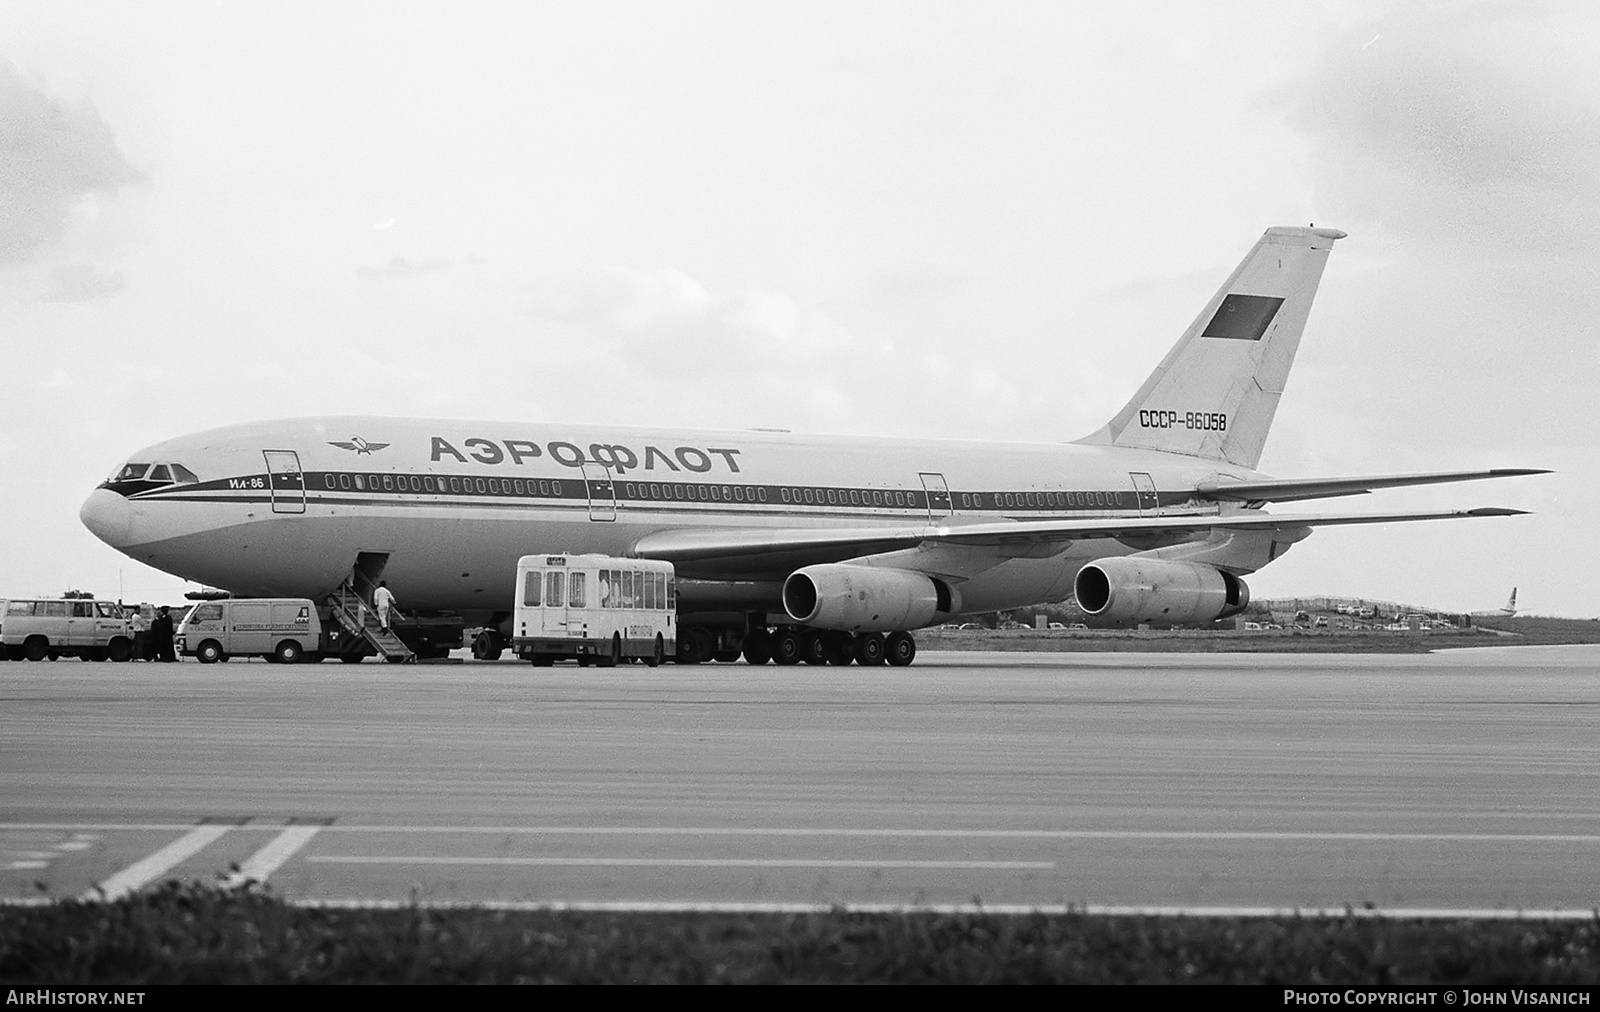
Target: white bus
[{"x": 594, "y": 607}]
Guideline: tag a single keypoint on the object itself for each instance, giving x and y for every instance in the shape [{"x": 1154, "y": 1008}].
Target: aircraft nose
[{"x": 108, "y": 516}]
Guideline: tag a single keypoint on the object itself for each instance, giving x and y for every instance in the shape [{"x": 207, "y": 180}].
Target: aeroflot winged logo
[{"x": 357, "y": 444}]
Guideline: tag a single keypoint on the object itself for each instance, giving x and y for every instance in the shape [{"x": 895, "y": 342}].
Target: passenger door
[
  {"x": 285, "y": 480},
  {"x": 938, "y": 496},
  {"x": 1144, "y": 488},
  {"x": 602, "y": 493}
]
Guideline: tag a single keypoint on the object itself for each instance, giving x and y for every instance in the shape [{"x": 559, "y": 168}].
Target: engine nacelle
[
  {"x": 865, "y": 598},
  {"x": 1133, "y": 589}
]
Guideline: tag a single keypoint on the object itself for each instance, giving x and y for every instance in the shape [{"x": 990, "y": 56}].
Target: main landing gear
[{"x": 787, "y": 645}]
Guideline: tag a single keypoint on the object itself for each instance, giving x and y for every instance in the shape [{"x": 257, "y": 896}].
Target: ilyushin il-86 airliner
[{"x": 785, "y": 546}]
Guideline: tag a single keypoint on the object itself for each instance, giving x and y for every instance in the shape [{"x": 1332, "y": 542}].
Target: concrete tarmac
[{"x": 1460, "y": 780}]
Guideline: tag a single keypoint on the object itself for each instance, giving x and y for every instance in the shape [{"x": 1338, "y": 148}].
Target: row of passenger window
[
  {"x": 724, "y": 493},
  {"x": 1038, "y": 500},
  {"x": 428, "y": 483}
]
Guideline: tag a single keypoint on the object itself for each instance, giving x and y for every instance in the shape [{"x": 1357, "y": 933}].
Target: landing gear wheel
[
  {"x": 786, "y": 646},
  {"x": 694, "y": 646},
  {"x": 209, "y": 652},
  {"x": 486, "y": 646},
  {"x": 869, "y": 649},
  {"x": 813, "y": 648},
  {"x": 758, "y": 647},
  {"x": 839, "y": 647},
  {"x": 654, "y": 660},
  {"x": 901, "y": 649},
  {"x": 288, "y": 652}
]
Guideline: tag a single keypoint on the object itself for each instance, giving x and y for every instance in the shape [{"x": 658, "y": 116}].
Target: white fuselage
[{"x": 284, "y": 508}]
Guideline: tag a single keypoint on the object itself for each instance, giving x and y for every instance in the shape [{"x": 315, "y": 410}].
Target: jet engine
[
  {"x": 865, "y": 598},
  {"x": 1134, "y": 589}
]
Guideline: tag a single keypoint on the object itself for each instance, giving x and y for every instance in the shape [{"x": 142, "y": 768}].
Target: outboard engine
[{"x": 1135, "y": 589}]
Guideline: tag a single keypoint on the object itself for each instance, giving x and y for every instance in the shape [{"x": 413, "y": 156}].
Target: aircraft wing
[
  {"x": 772, "y": 553},
  {"x": 1323, "y": 488}
]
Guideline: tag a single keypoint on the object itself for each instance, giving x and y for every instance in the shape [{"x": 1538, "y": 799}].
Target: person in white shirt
[{"x": 383, "y": 601}]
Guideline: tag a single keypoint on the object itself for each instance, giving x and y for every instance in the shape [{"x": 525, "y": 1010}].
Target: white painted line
[
  {"x": 998, "y": 909},
  {"x": 142, "y": 872},
  {"x": 26, "y": 865},
  {"x": 888, "y": 833},
  {"x": 271, "y": 857},
  {"x": 685, "y": 862},
  {"x": 75, "y": 845}
]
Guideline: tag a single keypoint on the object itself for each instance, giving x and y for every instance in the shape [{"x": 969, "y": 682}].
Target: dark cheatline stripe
[{"x": 365, "y": 487}]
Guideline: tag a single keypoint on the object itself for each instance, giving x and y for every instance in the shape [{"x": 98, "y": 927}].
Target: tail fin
[
  {"x": 1511, "y": 605},
  {"x": 1215, "y": 393}
]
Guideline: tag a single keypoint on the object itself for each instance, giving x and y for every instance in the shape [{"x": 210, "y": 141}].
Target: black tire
[
  {"x": 208, "y": 652},
  {"x": 725, "y": 656},
  {"x": 694, "y": 646},
  {"x": 119, "y": 649},
  {"x": 288, "y": 652},
  {"x": 347, "y": 658},
  {"x": 655, "y": 659},
  {"x": 786, "y": 646},
  {"x": 95, "y": 654},
  {"x": 839, "y": 647},
  {"x": 758, "y": 647},
  {"x": 813, "y": 647},
  {"x": 37, "y": 648},
  {"x": 610, "y": 660},
  {"x": 870, "y": 649},
  {"x": 901, "y": 649},
  {"x": 543, "y": 660},
  {"x": 14, "y": 652}
]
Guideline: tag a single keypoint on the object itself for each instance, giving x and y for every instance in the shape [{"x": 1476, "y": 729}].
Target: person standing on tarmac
[
  {"x": 161, "y": 636},
  {"x": 141, "y": 635},
  {"x": 383, "y": 601}
]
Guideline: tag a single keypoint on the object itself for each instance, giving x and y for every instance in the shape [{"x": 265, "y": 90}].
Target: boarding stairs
[{"x": 355, "y": 613}]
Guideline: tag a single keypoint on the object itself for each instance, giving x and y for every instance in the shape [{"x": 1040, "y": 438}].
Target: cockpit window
[
  {"x": 131, "y": 472},
  {"x": 183, "y": 475},
  {"x": 161, "y": 472}
]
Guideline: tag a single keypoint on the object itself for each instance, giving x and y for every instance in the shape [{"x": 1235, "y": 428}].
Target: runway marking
[
  {"x": 805, "y": 831},
  {"x": 998, "y": 909},
  {"x": 986, "y": 834},
  {"x": 685, "y": 862},
  {"x": 142, "y": 872},
  {"x": 272, "y": 857}
]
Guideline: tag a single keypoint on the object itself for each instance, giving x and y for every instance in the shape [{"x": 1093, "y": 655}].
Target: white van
[
  {"x": 281, "y": 629},
  {"x": 65, "y": 627}
]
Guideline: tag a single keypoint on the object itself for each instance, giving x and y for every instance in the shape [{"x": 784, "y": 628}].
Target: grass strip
[{"x": 186, "y": 933}]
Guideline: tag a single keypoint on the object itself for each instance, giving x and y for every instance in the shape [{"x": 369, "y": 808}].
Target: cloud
[
  {"x": 758, "y": 358},
  {"x": 1477, "y": 127},
  {"x": 82, "y": 283},
  {"x": 54, "y": 160},
  {"x": 402, "y": 268}
]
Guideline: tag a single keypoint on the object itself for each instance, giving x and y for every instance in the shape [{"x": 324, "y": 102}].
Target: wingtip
[
  {"x": 1516, "y": 472},
  {"x": 1496, "y": 511}
]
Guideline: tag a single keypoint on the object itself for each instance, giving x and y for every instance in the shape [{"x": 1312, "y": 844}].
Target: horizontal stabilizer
[{"x": 1324, "y": 488}]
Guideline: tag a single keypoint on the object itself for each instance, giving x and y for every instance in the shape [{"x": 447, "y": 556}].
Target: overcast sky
[{"x": 899, "y": 218}]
